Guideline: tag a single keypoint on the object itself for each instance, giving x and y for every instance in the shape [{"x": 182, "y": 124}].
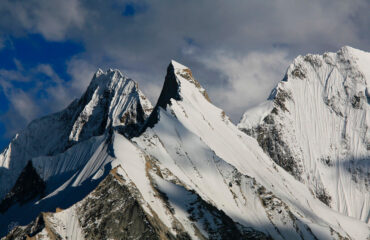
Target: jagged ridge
[
  {"x": 111, "y": 100},
  {"x": 69, "y": 149}
]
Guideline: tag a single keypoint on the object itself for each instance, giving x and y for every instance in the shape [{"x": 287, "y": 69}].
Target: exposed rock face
[
  {"x": 112, "y": 212},
  {"x": 218, "y": 225},
  {"x": 315, "y": 125},
  {"x": 268, "y": 136},
  {"x": 212, "y": 221},
  {"x": 28, "y": 186},
  {"x": 34, "y": 228},
  {"x": 109, "y": 212}
]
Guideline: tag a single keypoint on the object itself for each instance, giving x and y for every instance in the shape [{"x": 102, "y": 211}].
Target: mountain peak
[
  {"x": 107, "y": 79},
  {"x": 183, "y": 73},
  {"x": 176, "y": 77},
  {"x": 111, "y": 101},
  {"x": 179, "y": 83},
  {"x": 116, "y": 97},
  {"x": 316, "y": 118},
  {"x": 177, "y": 65}
]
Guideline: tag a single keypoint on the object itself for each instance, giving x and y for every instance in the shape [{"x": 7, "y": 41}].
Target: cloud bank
[{"x": 238, "y": 50}]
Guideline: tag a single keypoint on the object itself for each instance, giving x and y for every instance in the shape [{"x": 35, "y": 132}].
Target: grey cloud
[
  {"x": 24, "y": 105},
  {"x": 250, "y": 77},
  {"x": 23, "y": 110},
  {"x": 52, "y": 19},
  {"x": 40, "y": 97},
  {"x": 237, "y": 49},
  {"x": 81, "y": 72},
  {"x": 146, "y": 42}
]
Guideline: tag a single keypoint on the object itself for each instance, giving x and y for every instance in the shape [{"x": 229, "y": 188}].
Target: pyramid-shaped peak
[
  {"x": 178, "y": 75},
  {"x": 179, "y": 83},
  {"x": 117, "y": 97},
  {"x": 178, "y": 66}
]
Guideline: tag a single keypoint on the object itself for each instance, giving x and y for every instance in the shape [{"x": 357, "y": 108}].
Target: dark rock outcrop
[
  {"x": 111, "y": 211},
  {"x": 28, "y": 186}
]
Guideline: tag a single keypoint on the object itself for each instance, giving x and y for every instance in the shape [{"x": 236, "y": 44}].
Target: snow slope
[
  {"x": 111, "y": 100},
  {"x": 186, "y": 172},
  {"x": 317, "y": 127},
  {"x": 70, "y": 149},
  {"x": 197, "y": 147}
]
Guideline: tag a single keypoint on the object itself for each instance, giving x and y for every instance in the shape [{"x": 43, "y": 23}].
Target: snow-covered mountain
[
  {"x": 315, "y": 125},
  {"x": 183, "y": 172},
  {"x": 111, "y": 100},
  {"x": 68, "y": 148}
]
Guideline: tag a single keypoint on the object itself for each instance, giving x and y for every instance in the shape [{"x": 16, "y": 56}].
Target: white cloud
[
  {"x": 250, "y": 78},
  {"x": 61, "y": 93},
  {"x": 81, "y": 72},
  {"x": 24, "y": 105},
  {"x": 53, "y": 19},
  {"x": 38, "y": 98},
  {"x": 238, "y": 50}
]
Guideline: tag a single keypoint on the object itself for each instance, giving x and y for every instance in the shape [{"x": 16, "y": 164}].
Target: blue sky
[
  {"x": 24, "y": 55},
  {"x": 238, "y": 50}
]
